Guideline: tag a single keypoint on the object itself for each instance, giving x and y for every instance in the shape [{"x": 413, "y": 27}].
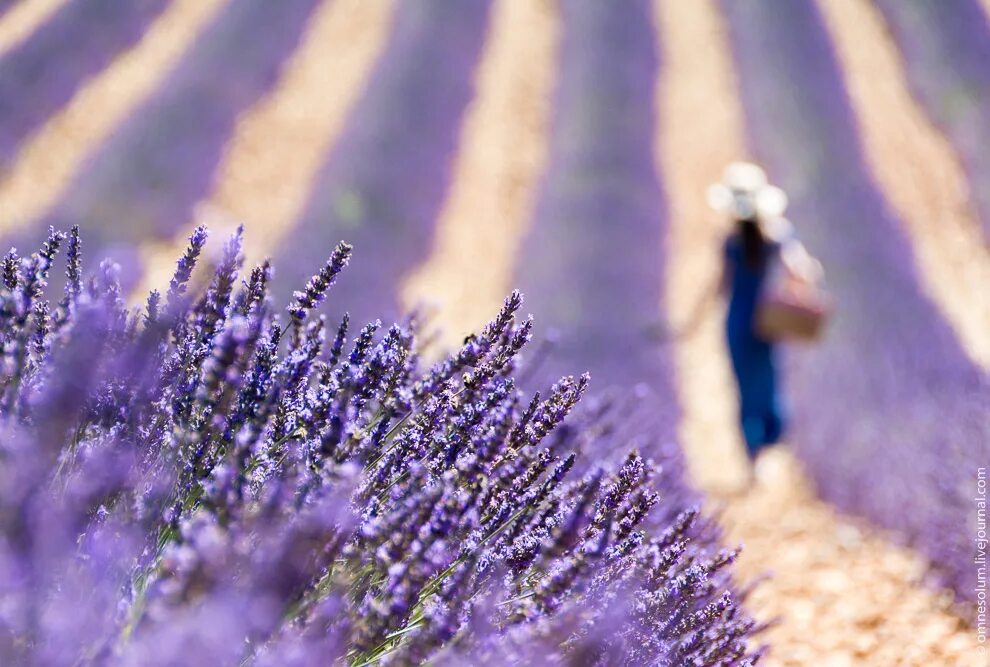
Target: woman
[{"x": 762, "y": 239}]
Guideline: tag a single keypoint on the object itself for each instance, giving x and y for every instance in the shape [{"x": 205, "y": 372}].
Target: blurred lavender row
[
  {"x": 592, "y": 265},
  {"x": 945, "y": 46},
  {"x": 42, "y": 73},
  {"x": 384, "y": 182},
  {"x": 891, "y": 415},
  {"x": 142, "y": 183},
  {"x": 212, "y": 481}
]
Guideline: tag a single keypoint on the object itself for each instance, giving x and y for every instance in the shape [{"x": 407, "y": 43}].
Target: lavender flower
[
  {"x": 184, "y": 268},
  {"x": 319, "y": 284},
  {"x": 208, "y": 491},
  {"x": 600, "y": 206}
]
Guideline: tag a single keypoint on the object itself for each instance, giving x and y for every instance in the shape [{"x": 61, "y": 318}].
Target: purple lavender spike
[
  {"x": 184, "y": 268},
  {"x": 316, "y": 289},
  {"x": 212, "y": 310},
  {"x": 384, "y": 181},
  {"x": 891, "y": 375}
]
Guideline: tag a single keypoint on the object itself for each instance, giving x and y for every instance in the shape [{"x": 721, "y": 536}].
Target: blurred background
[{"x": 468, "y": 147}]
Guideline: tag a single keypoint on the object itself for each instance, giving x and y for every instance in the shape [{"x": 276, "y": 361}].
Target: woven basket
[{"x": 796, "y": 313}]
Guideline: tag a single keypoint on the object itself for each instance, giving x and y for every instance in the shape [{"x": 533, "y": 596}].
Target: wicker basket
[{"x": 792, "y": 312}]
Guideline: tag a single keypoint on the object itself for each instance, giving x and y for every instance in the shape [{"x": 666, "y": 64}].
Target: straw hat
[{"x": 744, "y": 193}]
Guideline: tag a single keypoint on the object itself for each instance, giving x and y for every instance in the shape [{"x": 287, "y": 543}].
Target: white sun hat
[{"x": 745, "y": 193}]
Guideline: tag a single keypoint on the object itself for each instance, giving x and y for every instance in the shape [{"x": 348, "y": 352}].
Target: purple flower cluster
[
  {"x": 384, "y": 181},
  {"x": 946, "y": 47},
  {"x": 890, "y": 413},
  {"x": 42, "y": 73},
  {"x": 205, "y": 480}
]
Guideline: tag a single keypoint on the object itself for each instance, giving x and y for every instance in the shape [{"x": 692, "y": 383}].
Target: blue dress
[{"x": 754, "y": 361}]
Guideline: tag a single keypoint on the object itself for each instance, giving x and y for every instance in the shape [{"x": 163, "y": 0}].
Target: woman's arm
[
  {"x": 720, "y": 286},
  {"x": 724, "y": 284},
  {"x": 717, "y": 288},
  {"x": 800, "y": 263}
]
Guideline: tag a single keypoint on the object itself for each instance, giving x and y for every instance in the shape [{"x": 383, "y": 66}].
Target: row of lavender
[
  {"x": 381, "y": 186},
  {"x": 890, "y": 412},
  {"x": 946, "y": 48},
  {"x": 209, "y": 481},
  {"x": 592, "y": 265},
  {"x": 36, "y": 77}
]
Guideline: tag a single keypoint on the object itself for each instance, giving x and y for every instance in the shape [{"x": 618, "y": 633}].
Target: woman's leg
[
  {"x": 754, "y": 428},
  {"x": 774, "y": 425},
  {"x": 776, "y": 415}
]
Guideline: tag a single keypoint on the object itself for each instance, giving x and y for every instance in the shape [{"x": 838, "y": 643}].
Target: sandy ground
[
  {"x": 845, "y": 594},
  {"x": 50, "y": 159},
  {"x": 918, "y": 171}
]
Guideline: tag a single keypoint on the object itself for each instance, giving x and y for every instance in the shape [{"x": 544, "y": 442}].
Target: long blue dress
[{"x": 754, "y": 361}]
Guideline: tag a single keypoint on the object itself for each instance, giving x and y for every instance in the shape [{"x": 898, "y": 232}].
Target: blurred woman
[{"x": 761, "y": 242}]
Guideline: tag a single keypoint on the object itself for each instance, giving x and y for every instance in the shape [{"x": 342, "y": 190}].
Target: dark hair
[{"x": 754, "y": 244}]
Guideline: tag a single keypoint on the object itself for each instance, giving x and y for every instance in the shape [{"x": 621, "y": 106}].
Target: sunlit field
[{"x": 332, "y": 333}]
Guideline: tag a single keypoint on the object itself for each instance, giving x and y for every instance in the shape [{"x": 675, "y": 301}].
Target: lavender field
[
  {"x": 35, "y": 77},
  {"x": 600, "y": 199},
  {"x": 160, "y": 161},
  {"x": 382, "y": 185},
  {"x": 275, "y": 458}
]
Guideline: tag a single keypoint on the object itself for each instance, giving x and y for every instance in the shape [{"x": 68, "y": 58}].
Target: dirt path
[
  {"x": 846, "y": 596},
  {"x": 697, "y": 136},
  {"x": 49, "y": 160},
  {"x": 20, "y": 21},
  {"x": 265, "y": 176},
  {"x": 918, "y": 171},
  {"x": 500, "y": 160}
]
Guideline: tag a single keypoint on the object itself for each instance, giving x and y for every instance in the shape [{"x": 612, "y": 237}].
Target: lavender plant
[
  {"x": 42, "y": 73},
  {"x": 160, "y": 161},
  {"x": 945, "y": 47},
  {"x": 890, "y": 413},
  {"x": 384, "y": 181},
  {"x": 210, "y": 480}
]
